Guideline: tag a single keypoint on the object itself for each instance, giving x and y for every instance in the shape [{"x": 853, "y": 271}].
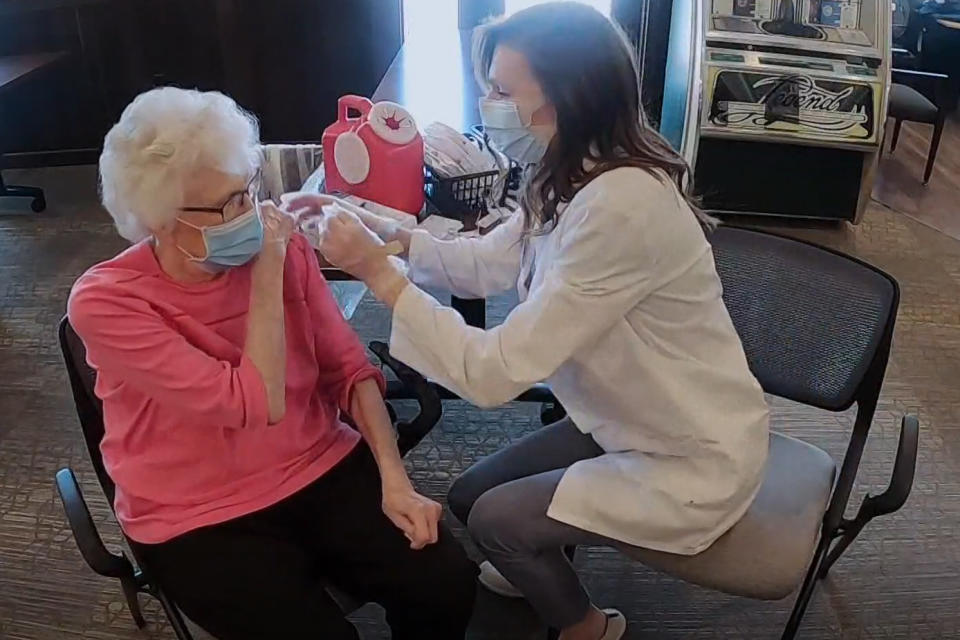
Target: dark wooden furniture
[
  {"x": 13, "y": 71},
  {"x": 287, "y": 61},
  {"x": 933, "y": 37}
]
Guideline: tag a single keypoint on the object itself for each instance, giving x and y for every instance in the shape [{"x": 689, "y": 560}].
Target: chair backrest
[
  {"x": 813, "y": 322},
  {"x": 89, "y": 408}
]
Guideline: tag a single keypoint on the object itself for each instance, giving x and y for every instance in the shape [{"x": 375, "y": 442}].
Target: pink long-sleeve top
[{"x": 185, "y": 411}]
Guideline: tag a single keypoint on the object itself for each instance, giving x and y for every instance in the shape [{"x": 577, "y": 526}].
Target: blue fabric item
[{"x": 232, "y": 243}]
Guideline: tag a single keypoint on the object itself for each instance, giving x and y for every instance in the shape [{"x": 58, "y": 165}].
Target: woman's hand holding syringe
[
  {"x": 352, "y": 246},
  {"x": 312, "y": 208}
]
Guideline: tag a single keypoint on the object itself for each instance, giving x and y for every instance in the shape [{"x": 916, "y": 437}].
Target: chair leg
[
  {"x": 806, "y": 590},
  {"x": 39, "y": 202},
  {"x": 173, "y": 614},
  {"x": 130, "y": 591},
  {"x": 934, "y": 145},
  {"x": 849, "y": 535},
  {"x": 896, "y": 135}
]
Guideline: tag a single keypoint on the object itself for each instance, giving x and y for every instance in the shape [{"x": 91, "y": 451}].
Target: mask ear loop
[
  {"x": 203, "y": 236},
  {"x": 530, "y": 124}
]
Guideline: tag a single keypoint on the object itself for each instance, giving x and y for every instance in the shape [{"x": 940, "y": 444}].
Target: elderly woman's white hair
[{"x": 161, "y": 136}]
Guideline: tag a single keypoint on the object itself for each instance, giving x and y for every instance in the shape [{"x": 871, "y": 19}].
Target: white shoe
[
  {"x": 494, "y": 581},
  {"x": 616, "y": 625}
]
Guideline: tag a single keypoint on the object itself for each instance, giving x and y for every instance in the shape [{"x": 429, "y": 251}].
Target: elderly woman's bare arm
[
  {"x": 416, "y": 515},
  {"x": 266, "y": 344}
]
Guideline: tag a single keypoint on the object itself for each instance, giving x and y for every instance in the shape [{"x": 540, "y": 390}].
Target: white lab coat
[{"x": 623, "y": 317}]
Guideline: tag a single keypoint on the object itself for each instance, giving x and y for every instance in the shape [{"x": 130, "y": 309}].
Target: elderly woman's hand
[
  {"x": 278, "y": 226},
  {"x": 416, "y": 515}
]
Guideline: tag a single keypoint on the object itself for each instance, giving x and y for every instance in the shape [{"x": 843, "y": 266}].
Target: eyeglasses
[{"x": 236, "y": 202}]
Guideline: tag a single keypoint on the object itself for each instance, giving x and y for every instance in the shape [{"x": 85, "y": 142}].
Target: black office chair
[
  {"x": 909, "y": 101},
  {"x": 135, "y": 580},
  {"x": 816, "y": 327}
]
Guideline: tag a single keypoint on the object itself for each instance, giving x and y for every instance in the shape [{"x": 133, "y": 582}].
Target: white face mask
[{"x": 507, "y": 131}]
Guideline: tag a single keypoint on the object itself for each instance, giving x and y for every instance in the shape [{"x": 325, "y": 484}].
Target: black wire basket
[
  {"x": 466, "y": 197},
  {"x": 461, "y": 196}
]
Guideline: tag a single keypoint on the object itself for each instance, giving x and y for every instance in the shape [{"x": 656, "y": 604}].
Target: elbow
[
  {"x": 276, "y": 401},
  {"x": 276, "y": 410},
  {"x": 276, "y": 404}
]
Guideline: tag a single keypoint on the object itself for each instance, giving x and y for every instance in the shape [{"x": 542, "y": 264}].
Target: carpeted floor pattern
[{"x": 899, "y": 580}]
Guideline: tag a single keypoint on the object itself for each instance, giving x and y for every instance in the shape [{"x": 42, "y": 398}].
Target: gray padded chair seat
[
  {"x": 766, "y": 554},
  {"x": 906, "y": 103}
]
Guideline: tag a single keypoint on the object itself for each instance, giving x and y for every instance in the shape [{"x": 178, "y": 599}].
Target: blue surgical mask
[
  {"x": 230, "y": 244},
  {"x": 506, "y": 130}
]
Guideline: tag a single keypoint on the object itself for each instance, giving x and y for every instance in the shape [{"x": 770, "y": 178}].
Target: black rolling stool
[{"x": 14, "y": 70}]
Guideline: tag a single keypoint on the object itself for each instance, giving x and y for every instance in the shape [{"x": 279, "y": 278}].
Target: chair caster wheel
[
  {"x": 551, "y": 412},
  {"x": 38, "y": 204}
]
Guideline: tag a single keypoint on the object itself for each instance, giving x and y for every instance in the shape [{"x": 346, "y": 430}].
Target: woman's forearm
[
  {"x": 384, "y": 279},
  {"x": 266, "y": 337},
  {"x": 370, "y": 414}
]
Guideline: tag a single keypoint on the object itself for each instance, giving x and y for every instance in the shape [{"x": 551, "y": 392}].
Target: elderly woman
[{"x": 224, "y": 366}]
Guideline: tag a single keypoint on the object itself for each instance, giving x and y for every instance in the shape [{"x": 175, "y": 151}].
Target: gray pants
[{"x": 503, "y": 500}]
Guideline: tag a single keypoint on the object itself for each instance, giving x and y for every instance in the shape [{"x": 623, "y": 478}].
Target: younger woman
[{"x": 620, "y": 311}]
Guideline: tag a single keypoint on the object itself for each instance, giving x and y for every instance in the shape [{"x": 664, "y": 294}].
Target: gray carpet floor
[{"x": 899, "y": 580}]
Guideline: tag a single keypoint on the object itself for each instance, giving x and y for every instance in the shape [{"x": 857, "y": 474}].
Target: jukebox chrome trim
[{"x": 814, "y": 47}]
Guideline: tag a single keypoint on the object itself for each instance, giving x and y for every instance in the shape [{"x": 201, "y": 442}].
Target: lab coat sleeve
[
  {"x": 603, "y": 271},
  {"x": 469, "y": 267}
]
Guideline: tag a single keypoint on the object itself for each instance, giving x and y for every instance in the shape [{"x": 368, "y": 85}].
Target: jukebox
[{"x": 779, "y": 104}]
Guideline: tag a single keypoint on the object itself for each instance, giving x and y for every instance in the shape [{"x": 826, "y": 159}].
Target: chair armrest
[
  {"x": 537, "y": 393},
  {"x": 85, "y": 532},
  {"x": 410, "y": 433},
  {"x": 901, "y": 481}
]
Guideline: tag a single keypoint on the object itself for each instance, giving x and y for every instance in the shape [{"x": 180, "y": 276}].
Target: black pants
[{"x": 263, "y": 576}]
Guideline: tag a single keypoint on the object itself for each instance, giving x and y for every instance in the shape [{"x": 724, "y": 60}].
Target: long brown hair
[{"x": 587, "y": 70}]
